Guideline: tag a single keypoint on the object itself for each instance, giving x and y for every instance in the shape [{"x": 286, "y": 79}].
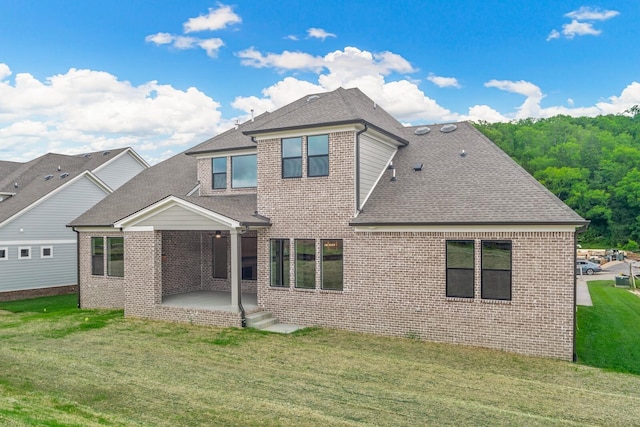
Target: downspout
[
  {"x": 358, "y": 167},
  {"x": 77, "y": 263}
]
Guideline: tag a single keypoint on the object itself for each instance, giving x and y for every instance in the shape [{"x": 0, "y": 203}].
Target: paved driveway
[{"x": 610, "y": 271}]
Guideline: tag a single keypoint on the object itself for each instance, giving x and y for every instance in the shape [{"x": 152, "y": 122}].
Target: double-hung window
[
  {"x": 332, "y": 265},
  {"x": 219, "y": 170},
  {"x": 291, "y": 157},
  {"x": 496, "y": 270},
  {"x": 97, "y": 256},
  {"x": 318, "y": 155},
  {"x": 280, "y": 263},
  {"x": 306, "y": 263},
  {"x": 460, "y": 268},
  {"x": 115, "y": 256}
]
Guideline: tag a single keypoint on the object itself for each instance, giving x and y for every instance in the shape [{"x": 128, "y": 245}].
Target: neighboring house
[
  {"x": 329, "y": 212},
  {"x": 38, "y": 253}
]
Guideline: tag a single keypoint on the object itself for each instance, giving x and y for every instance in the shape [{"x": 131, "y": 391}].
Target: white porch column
[{"x": 236, "y": 267}]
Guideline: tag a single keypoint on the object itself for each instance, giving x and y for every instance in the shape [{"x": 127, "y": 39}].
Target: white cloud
[
  {"x": 284, "y": 61},
  {"x": 319, "y": 33},
  {"x": 484, "y": 113},
  {"x": 86, "y": 110},
  {"x": 216, "y": 19},
  {"x": 292, "y": 37},
  {"x": 570, "y": 102},
  {"x": 531, "y": 107},
  {"x": 576, "y": 28},
  {"x": 444, "y": 81},
  {"x": 347, "y": 68},
  {"x": 159, "y": 38},
  {"x": 586, "y": 13},
  {"x": 554, "y": 34},
  {"x": 579, "y": 28}
]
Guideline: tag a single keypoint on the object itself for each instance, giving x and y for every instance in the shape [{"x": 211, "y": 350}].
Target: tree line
[{"x": 590, "y": 163}]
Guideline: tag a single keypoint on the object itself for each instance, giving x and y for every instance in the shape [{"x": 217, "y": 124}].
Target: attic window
[
  {"x": 48, "y": 177},
  {"x": 313, "y": 98},
  {"x": 448, "y": 128},
  {"x": 423, "y": 130},
  {"x": 64, "y": 175},
  {"x": 418, "y": 167}
]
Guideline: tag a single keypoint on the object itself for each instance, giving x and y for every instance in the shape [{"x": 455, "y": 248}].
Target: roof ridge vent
[
  {"x": 418, "y": 167},
  {"x": 64, "y": 175},
  {"x": 448, "y": 128},
  {"x": 87, "y": 155},
  {"x": 48, "y": 177},
  {"x": 313, "y": 98},
  {"x": 422, "y": 130},
  {"x": 106, "y": 153}
]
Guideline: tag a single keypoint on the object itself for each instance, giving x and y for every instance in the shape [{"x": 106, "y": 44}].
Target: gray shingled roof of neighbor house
[
  {"x": 483, "y": 185},
  {"x": 174, "y": 176},
  {"x": 30, "y": 177},
  {"x": 8, "y": 167},
  {"x": 341, "y": 106}
]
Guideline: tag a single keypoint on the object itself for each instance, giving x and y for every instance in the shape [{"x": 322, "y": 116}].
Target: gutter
[{"x": 77, "y": 262}]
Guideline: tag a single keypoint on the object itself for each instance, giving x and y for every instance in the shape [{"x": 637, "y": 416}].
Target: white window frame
[
  {"x": 6, "y": 254},
  {"x": 42, "y": 255},
  {"x": 20, "y": 249}
]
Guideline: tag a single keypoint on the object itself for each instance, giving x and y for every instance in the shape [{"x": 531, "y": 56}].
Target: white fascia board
[
  {"x": 226, "y": 153},
  {"x": 382, "y": 138},
  {"x": 86, "y": 174},
  {"x": 169, "y": 202},
  {"x": 310, "y": 131},
  {"x": 471, "y": 228},
  {"x": 128, "y": 151}
]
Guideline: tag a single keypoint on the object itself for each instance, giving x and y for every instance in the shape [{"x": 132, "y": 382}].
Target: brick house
[{"x": 328, "y": 212}]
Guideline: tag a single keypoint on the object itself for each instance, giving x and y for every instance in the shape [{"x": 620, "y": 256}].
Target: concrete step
[{"x": 260, "y": 320}]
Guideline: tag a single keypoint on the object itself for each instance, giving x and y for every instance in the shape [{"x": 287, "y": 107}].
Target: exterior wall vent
[
  {"x": 423, "y": 130},
  {"x": 448, "y": 128}
]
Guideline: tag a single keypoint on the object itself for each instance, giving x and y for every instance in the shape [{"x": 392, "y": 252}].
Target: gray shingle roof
[
  {"x": 340, "y": 106},
  {"x": 174, "y": 176},
  {"x": 484, "y": 187},
  {"x": 30, "y": 177},
  {"x": 8, "y": 167}
]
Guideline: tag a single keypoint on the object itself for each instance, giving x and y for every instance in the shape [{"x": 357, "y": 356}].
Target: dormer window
[
  {"x": 318, "y": 155},
  {"x": 219, "y": 169},
  {"x": 292, "y": 157}
]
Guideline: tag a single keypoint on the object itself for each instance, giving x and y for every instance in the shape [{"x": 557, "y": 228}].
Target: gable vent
[
  {"x": 64, "y": 175},
  {"x": 448, "y": 128},
  {"x": 48, "y": 177},
  {"x": 423, "y": 130}
]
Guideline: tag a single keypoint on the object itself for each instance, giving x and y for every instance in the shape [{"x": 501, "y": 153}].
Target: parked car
[{"x": 587, "y": 267}]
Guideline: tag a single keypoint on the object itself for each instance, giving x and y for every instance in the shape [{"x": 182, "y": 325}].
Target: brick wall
[
  {"x": 37, "y": 293},
  {"x": 181, "y": 267},
  {"x": 98, "y": 291},
  {"x": 395, "y": 283}
]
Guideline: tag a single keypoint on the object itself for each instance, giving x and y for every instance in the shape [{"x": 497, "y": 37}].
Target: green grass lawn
[
  {"x": 609, "y": 332},
  {"x": 60, "y": 366}
]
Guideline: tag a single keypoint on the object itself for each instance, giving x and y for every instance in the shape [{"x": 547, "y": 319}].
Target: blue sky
[{"x": 162, "y": 76}]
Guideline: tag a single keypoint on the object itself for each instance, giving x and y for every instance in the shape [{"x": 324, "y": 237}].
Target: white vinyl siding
[
  {"x": 176, "y": 215},
  {"x": 374, "y": 158},
  {"x": 34, "y": 273}
]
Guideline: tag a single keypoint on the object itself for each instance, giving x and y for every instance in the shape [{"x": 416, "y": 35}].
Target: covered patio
[{"x": 199, "y": 262}]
